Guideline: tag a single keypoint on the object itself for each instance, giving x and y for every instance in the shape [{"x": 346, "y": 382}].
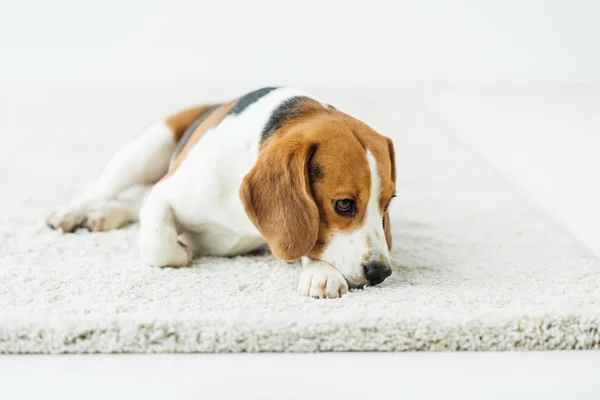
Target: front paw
[
  {"x": 65, "y": 220},
  {"x": 322, "y": 281},
  {"x": 167, "y": 254}
]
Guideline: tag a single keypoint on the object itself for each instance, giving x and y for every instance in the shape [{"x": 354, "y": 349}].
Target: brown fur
[
  {"x": 213, "y": 120},
  {"x": 179, "y": 122},
  {"x": 387, "y": 224},
  {"x": 387, "y": 229},
  {"x": 294, "y": 214},
  {"x": 344, "y": 163},
  {"x": 277, "y": 198}
]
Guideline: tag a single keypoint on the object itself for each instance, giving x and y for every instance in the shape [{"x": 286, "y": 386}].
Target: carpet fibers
[{"x": 476, "y": 265}]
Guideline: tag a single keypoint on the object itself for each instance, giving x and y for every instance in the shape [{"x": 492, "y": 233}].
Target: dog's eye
[{"x": 345, "y": 207}]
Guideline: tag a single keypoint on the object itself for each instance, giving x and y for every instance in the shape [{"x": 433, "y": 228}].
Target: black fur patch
[
  {"x": 191, "y": 129},
  {"x": 315, "y": 172},
  {"x": 287, "y": 110},
  {"x": 250, "y": 98}
]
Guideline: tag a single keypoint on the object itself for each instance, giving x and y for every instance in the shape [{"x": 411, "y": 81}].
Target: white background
[
  {"x": 519, "y": 81},
  {"x": 371, "y": 43}
]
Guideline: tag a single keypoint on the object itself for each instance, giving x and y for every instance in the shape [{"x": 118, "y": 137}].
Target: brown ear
[
  {"x": 277, "y": 197},
  {"x": 386, "y": 217},
  {"x": 387, "y": 229},
  {"x": 392, "y": 159}
]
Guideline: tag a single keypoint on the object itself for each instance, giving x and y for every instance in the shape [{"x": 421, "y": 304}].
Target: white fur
[
  {"x": 141, "y": 162},
  {"x": 197, "y": 209},
  {"x": 159, "y": 243},
  {"x": 202, "y": 194},
  {"x": 348, "y": 251},
  {"x": 320, "y": 280},
  {"x": 111, "y": 215}
]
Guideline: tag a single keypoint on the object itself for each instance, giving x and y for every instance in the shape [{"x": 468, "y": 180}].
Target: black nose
[{"x": 376, "y": 273}]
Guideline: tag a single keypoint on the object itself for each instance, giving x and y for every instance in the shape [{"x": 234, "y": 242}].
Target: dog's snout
[{"x": 376, "y": 273}]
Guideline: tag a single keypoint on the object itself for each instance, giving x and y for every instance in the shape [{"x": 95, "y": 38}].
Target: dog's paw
[
  {"x": 168, "y": 254},
  {"x": 66, "y": 220},
  {"x": 322, "y": 281},
  {"x": 97, "y": 221},
  {"x": 103, "y": 219}
]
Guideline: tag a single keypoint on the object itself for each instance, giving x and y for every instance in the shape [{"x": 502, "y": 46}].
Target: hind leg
[
  {"x": 111, "y": 215},
  {"x": 116, "y": 213},
  {"x": 141, "y": 162}
]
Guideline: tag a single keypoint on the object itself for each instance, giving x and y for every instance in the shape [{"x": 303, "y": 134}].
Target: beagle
[{"x": 273, "y": 167}]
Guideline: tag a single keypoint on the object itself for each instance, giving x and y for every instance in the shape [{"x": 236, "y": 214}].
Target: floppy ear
[
  {"x": 392, "y": 159},
  {"x": 387, "y": 229},
  {"x": 277, "y": 197},
  {"x": 386, "y": 217}
]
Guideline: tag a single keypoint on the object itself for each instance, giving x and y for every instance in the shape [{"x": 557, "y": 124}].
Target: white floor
[
  {"x": 545, "y": 141},
  {"x": 553, "y": 375}
]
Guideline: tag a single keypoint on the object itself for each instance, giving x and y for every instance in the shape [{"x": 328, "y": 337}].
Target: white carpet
[{"x": 476, "y": 265}]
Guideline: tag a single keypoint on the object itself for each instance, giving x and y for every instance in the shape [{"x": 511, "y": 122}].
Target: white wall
[{"x": 366, "y": 43}]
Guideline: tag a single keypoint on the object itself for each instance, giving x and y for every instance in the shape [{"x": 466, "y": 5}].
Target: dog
[{"x": 273, "y": 167}]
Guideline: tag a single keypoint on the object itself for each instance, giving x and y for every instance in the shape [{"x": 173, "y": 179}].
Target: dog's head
[{"x": 321, "y": 188}]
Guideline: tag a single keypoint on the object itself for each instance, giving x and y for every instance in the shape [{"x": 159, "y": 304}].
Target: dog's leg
[
  {"x": 320, "y": 280},
  {"x": 159, "y": 243},
  {"x": 143, "y": 161},
  {"x": 113, "y": 214}
]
